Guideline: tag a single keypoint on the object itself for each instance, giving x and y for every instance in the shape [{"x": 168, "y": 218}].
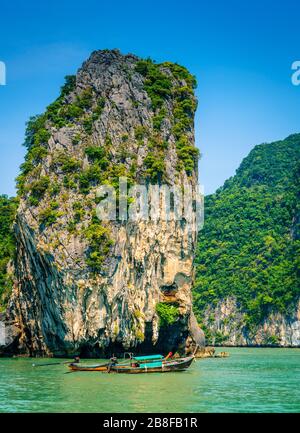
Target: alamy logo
[
  {"x": 152, "y": 203},
  {"x": 2, "y": 74},
  {"x": 296, "y": 74}
]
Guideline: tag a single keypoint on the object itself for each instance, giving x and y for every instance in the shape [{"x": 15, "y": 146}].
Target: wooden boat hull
[
  {"x": 166, "y": 367},
  {"x": 77, "y": 367}
]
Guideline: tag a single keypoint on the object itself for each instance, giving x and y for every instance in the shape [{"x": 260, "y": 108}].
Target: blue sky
[{"x": 240, "y": 51}]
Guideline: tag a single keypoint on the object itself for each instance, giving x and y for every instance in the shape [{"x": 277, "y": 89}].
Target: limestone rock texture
[
  {"x": 88, "y": 287},
  {"x": 278, "y": 330}
]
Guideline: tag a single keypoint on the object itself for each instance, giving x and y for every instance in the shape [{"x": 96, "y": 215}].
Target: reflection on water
[{"x": 250, "y": 380}]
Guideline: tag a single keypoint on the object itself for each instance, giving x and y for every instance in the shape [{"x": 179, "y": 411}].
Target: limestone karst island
[{"x": 81, "y": 286}]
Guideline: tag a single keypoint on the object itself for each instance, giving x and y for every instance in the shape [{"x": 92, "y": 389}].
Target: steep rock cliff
[
  {"x": 92, "y": 287},
  {"x": 227, "y": 325}
]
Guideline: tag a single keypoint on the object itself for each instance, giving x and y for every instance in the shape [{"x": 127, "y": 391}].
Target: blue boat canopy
[
  {"x": 148, "y": 358},
  {"x": 151, "y": 364}
]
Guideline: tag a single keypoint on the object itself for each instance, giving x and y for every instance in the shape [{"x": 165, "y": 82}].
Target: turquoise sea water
[{"x": 250, "y": 380}]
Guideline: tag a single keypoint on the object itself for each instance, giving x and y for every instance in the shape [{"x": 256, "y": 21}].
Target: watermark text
[
  {"x": 2, "y": 74},
  {"x": 296, "y": 74},
  {"x": 153, "y": 203}
]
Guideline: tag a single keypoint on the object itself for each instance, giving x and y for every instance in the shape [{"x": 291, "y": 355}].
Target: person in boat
[
  {"x": 76, "y": 360},
  {"x": 113, "y": 360}
]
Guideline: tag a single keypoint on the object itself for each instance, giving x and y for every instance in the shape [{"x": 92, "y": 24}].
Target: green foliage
[
  {"x": 54, "y": 114},
  {"x": 98, "y": 155},
  {"x": 155, "y": 164},
  {"x": 26, "y": 167},
  {"x": 181, "y": 73},
  {"x": 98, "y": 110},
  {"x": 187, "y": 155},
  {"x": 249, "y": 247},
  {"x": 183, "y": 114},
  {"x": 38, "y": 189},
  {"x": 54, "y": 189},
  {"x": 71, "y": 226},
  {"x": 85, "y": 99},
  {"x": 219, "y": 338},
  {"x": 69, "y": 86},
  {"x": 272, "y": 340},
  {"x": 269, "y": 164},
  {"x": 87, "y": 124},
  {"x": 8, "y": 207},
  {"x": 79, "y": 212},
  {"x": 160, "y": 85},
  {"x": 66, "y": 162},
  {"x": 61, "y": 113},
  {"x": 20, "y": 182},
  {"x": 124, "y": 153},
  {"x": 183, "y": 119},
  {"x": 158, "y": 119},
  {"x": 48, "y": 216},
  {"x": 36, "y": 138},
  {"x": 157, "y": 84},
  {"x": 99, "y": 244},
  {"x": 36, "y": 133},
  {"x": 168, "y": 313},
  {"x": 36, "y": 154},
  {"x": 101, "y": 170},
  {"x": 68, "y": 113},
  {"x": 140, "y": 133},
  {"x": 139, "y": 335},
  {"x": 91, "y": 176},
  {"x": 76, "y": 139},
  {"x": 69, "y": 182}
]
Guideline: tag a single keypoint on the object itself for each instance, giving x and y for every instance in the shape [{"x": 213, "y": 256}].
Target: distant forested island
[{"x": 247, "y": 263}]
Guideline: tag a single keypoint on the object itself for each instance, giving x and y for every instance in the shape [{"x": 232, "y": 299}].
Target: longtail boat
[
  {"x": 82, "y": 367},
  {"x": 153, "y": 366},
  {"x": 150, "y": 362},
  {"x": 76, "y": 366}
]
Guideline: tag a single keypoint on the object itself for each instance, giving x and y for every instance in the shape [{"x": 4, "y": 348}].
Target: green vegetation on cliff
[
  {"x": 160, "y": 85},
  {"x": 167, "y": 312},
  {"x": 249, "y": 247},
  {"x": 8, "y": 208}
]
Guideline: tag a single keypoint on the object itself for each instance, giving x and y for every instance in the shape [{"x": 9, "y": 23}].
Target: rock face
[
  {"x": 9, "y": 334},
  {"x": 228, "y": 325},
  {"x": 92, "y": 287}
]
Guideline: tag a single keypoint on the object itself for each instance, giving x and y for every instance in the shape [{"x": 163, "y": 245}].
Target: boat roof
[
  {"x": 149, "y": 357},
  {"x": 151, "y": 364}
]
